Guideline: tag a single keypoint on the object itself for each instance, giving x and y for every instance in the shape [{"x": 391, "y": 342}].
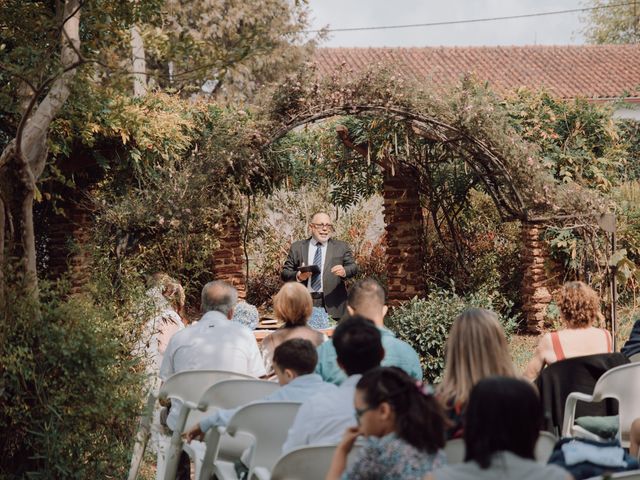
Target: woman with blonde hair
[
  {"x": 293, "y": 305},
  {"x": 476, "y": 349},
  {"x": 579, "y": 308}
]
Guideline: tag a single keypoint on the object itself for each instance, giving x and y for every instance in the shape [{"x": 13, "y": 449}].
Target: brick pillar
[
  {"x": 536, "y": 285},
  {"x": 228, "y": 259},
  {"x": 404, "y": 236},
  {"x": 67, "y": 236}
]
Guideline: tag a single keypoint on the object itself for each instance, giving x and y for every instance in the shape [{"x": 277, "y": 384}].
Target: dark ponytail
[{"x": 420, "y": 420}]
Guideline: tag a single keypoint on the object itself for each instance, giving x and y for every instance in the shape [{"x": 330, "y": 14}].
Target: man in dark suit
[{"x": 334, "y": 261}]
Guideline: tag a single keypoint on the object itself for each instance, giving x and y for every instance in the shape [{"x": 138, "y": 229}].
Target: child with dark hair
[
  {"x": 323, "y": 418},
  {"x": 294, "y": 362},
  {"x": 503, "y": 421},
  {"x": 404, "y": 425}
]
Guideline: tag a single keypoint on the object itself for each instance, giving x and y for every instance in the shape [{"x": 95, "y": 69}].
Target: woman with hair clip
[
  {"x": 476, "y": 348},
  {"x": 404, "y": 425},
  {"x": 502, "y": 425}
]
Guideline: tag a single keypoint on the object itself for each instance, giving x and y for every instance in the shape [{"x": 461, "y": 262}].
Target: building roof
[{"x": 591, "y": 71}]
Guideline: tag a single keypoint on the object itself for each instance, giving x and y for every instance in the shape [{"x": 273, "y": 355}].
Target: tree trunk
[
  {"x": 23, "y": 159},
  {"x": 138, "y": 63},
  {"x": 17, "y": 185}
]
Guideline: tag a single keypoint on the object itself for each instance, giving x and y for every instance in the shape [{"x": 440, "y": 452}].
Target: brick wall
[{"x": 228, "y": 258}]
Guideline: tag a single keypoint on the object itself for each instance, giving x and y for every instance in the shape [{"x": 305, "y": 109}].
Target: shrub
[
  {"x": 425, "y": 323},
  {"x": 70, "y": 391}
]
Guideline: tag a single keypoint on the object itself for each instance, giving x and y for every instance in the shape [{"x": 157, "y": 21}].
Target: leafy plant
[{"x": 425, "y": 323}]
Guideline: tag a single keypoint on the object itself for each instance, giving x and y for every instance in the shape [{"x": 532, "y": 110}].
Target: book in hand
[{"x": 309, "y": 268}]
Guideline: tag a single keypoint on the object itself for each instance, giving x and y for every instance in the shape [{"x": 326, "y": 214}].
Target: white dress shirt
[
  {"x": 323, "y": 418},
  {"x": 313, "y": 245},
  {"x": 213, "y": 343}
]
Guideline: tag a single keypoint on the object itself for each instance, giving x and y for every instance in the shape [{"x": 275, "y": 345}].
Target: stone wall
[
  {"x": 537, "y": 284},
  {"x": 228, "y": 259},
  {"x": 404, "y": 237}
]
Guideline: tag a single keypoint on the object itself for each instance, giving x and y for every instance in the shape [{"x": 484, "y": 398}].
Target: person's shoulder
[
  {"x": 339, "y": 243},
  {"x": 299, "y": 243},
  {"x": 398, "y": 344}
]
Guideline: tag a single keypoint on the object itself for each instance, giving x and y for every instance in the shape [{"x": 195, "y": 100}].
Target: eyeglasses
[
  {"x": 362, "y": 411},
  {"x": 322, "y": 226}
]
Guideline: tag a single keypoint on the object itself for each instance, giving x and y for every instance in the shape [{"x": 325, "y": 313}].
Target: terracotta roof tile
[{"x": 592, "y": 71}]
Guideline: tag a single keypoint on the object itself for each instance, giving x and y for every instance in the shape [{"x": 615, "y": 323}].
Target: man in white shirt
[
  {"x": 323, "y": 418},
  {"x": 213, "y": 343}
]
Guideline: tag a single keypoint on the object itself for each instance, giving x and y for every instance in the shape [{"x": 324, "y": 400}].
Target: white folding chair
[
  {"x": 185, "y": 390},
  {"x": 304, "y": 463},
  {"x": 265, "y": 423},
  {"x": 455, "y": 448},
  {"x": 225, "y": 394},
  {"x": 622, "y": 384},
  {"x": 544, "y": 446}
]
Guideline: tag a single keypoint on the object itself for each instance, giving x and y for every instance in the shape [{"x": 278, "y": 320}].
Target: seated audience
[
  {"x": 367, "y": 299},
  {"x": 476, "y": 348},
  {"x": 294, "y": 362},
  {"x": 404, "y": 425},
  {"x": 246, "y": 314},
  {"x": 213, "y": 343},
  {"x": 579, "y": 310},
  {"x": 501, "y": 430},
  {"x": 323, "y": 418},
  {"x": 292, "y": 304}
]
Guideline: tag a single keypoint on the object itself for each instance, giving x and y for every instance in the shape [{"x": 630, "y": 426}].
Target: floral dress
[{"x": 390, "y": 457}]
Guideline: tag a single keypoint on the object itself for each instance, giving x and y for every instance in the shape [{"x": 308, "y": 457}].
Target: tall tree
[
  {"x": 612, "y": 22},
  {"x": 44, "y": 48},
  {"x": 228, "y": 47}
]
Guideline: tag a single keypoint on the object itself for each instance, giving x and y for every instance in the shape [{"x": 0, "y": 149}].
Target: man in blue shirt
[
  {"x": 367, "y": 299},
  {"x": 293, "y": 362}
]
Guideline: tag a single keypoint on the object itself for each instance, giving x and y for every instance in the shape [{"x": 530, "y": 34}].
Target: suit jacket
[{"x": 334, "y": 290}]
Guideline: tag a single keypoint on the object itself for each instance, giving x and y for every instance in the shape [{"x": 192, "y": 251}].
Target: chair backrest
[
  {"x": 455, "y": 448},
  {"x": 629, "y": 475},
  {"x": 623, "y": 384},
  {"x": 268, "y": 423},
  {"x": 308, "y": 463},
  {"x": 544, "y": 446},
  {"x": 189, "y": 386},
  {"x": 578, "y": 374},
  {"x": 233, "y": 393}
]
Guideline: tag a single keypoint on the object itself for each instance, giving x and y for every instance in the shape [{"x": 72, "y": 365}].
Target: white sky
[{"x": 562, "y": 29}]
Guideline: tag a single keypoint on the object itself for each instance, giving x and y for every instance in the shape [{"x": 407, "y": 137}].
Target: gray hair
[{"x": 218, "y": 296}]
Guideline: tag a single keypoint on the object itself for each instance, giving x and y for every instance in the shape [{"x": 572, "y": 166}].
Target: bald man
[{"x": 334, "y": 262}]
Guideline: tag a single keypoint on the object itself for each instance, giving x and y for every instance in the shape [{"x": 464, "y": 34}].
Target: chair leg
[{"x": 142, "y": 437}]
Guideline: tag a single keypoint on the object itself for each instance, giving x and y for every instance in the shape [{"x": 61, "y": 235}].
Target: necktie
[{"x": 316, "y": 277}]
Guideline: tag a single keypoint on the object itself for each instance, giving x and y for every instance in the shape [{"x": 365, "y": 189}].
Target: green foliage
[
  {"x": 579, "y": 141},
  {"x": 237, "y": 47},
  {"x": 612, "y": 22},
  {"x": 69, "y": 388},
  {"x": 425, "y": 323}
]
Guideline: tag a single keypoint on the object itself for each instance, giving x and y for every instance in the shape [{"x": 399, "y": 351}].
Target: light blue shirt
[
  {"x": 397, "y": 353},
  {"x": 298, "y": 390},
  {"x": 323, "y": 418}
]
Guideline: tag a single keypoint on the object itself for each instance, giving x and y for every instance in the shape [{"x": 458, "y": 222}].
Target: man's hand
[
  {"x": 339, "y": 271},
  {"x": 303, "y": 277},
  {"x": 194, "y": 434}
]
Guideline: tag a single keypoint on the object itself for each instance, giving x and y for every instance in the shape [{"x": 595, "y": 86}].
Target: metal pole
[{"x": 614, "y": 293}]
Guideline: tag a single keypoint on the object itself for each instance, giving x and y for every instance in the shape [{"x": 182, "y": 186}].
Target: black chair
[{"x": 578, "y": 374}]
